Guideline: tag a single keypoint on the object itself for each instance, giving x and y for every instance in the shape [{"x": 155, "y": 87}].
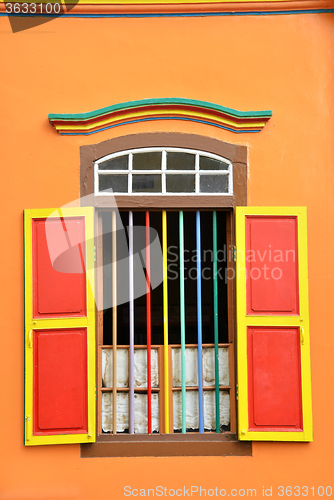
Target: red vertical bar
[{"x": 148, "y": 323}]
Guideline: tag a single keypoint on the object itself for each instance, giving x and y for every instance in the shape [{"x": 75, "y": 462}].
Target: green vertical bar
[
  {"x": 183, "y": 322},
  {"x": 215, "y": 316}
]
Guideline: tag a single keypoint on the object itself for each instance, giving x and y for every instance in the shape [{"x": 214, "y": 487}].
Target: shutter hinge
[
  {"x": 234, "y": 253},
  {"x": 28, "y": 422},
  {"x": 237, "y": 392},
  {"x": 302, "y": 335},
  {"x": 30, "y": 339}
]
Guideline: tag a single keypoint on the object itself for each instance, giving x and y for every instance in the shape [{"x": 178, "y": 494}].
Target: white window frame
[{"x": 130, "y": 172}]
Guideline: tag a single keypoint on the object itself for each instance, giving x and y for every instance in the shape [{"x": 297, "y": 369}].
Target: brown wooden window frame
[{"x": 192, "y": 444}]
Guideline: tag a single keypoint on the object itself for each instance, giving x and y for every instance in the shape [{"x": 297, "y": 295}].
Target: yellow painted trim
[
  {"x": 165, "y": 309},
  {"x": 301, "y": 320},
  {"x": 162, "y": 112},
  {"x": 275, "y": 436},
  {"x": 35, "y": 324}
]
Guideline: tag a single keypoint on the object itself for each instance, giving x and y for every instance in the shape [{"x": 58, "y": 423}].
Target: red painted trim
[
  {"x": 262, "y": 6},
  {"x": 170, "y": 107},
  {"x": 205, "y": 7},
  {"x": 143, "y": 117}
]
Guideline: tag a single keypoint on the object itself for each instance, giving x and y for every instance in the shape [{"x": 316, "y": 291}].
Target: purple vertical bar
[
  {"x": 131, "y": 305},
  {"x": 199, "y": 321}
]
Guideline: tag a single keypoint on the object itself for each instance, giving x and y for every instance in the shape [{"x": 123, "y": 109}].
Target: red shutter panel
[
  {"x": 272, "y": 265},
  {"x": 274, "y": 379},
  {"x": 60, "y": 381},
  {"x": 59, "y": 273},
  {"x": 273, "y": 325},
  {"x": 59, "y": 324}
]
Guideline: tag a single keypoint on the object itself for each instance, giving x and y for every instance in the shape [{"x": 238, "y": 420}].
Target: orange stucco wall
[{"x": 283, "y": 63}]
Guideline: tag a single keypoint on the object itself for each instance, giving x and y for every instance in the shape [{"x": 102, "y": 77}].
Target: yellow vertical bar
[
  {"x": 165, "y": 308},
  {"x": 114, "y": 321}
]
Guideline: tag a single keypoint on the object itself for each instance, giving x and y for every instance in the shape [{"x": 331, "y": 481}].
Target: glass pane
[
  {"x": 209, "y": 413},
  {"x": 119, "y": 163},
  {"x": 140, "y": 413},
  {"x": 191, "y": 411},
  {"x": 118, "y": 183},
  {"x": 224, "y": 410},
  {"x": 147, "y": 161},
  {"x": 122, "y": 367},
  {"x": 206, "y": 163},
  {"x": 191, "y": 362},
  {"x": 182, "y": 183},
  {"x": 146, "y": 183},
  {"x": 122, "y": 412},
  {"x": 209, "y": 410},
  {"x": 180, "y": 161},
  {"x": 214, "y": 183},
  {"x": 140, "y": 368}
]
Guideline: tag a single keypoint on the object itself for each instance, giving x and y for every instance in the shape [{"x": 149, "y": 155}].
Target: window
[
  {"x": 182, "y": 329},
  {"x": 271, "y": 316},
  {"x": 164, "y": 171}
]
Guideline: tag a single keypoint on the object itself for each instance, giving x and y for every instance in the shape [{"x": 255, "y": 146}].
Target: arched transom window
[{"x": 163, "y": 171}]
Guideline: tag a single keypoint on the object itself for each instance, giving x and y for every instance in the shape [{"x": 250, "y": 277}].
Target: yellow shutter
[
  {"x": 59, "y": 326},
  {"x": 273, "y": 343}
]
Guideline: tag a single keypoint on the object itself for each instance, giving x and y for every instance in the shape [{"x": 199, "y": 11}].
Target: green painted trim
[{"x": 161, "y": 101}]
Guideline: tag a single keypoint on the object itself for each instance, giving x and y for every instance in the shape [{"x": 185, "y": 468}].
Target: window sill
[
  {"x": 162, "y": 201},
  {"x": 167, "y": 445}
]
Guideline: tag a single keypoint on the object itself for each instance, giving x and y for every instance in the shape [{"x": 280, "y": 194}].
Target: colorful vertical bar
[
  {"x": 215, "y": 316},
  {"x": 132, "y": 327},
  {"x": 165, "y": 313},
  {"x": 148, "y": 324},
  {"x": 183, "y": 322},
  {"x": 199, "y": 320},
  {"x": 114, "y": 318}
]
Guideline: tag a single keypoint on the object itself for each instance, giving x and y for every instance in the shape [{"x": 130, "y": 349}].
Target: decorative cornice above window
[
  {"x": 185, "y": 8},
  {"x": 160, "y": 109}
]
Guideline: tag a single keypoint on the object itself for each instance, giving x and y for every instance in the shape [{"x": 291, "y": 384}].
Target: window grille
[{"x": 173, "y": 357}]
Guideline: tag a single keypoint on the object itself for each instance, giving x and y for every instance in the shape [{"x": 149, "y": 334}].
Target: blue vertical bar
[
  {"x": 199, "y": 321},
  {"x": 215, "y": 316}
]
